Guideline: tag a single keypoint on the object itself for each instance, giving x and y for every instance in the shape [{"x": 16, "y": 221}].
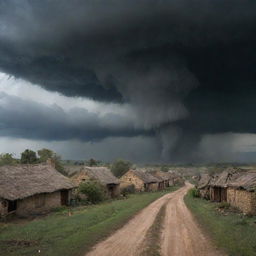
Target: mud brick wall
[
  {"x": 79, "y": 178},
  {"x": 38, "y": 204},
  {"x": 130, "y": 178},
  {"x": 242, "y": 199},
  {"x": 3, "y": 207}
]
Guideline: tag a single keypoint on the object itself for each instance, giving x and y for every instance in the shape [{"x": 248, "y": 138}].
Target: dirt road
[{"x": 181, "y": 236}]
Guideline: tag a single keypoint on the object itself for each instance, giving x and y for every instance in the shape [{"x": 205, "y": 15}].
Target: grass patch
[
  {"x": 153, "y": 236},
  {"x": 233, "y": 232},
  {"x": 61, "y": 234}
]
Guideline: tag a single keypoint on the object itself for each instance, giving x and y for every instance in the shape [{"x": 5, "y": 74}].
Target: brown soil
[{"x": 181, "y": 235}]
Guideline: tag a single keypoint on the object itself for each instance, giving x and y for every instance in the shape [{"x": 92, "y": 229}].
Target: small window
[{"x": 83, "y": 179}]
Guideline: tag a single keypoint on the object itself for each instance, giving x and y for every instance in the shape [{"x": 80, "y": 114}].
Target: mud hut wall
[
  {"x": 242, "y": 199},
  {"x": 113, "y": 190},
  {"x": 167, "y": 183},
  {"x": 79, "y": 178},
  {"x": 117, "y": 190},
  {"x": 205, "y": 193},
  {"x": 161, "y": 185},
  {"x": 131, "y": 178},
  {"x": 153, "y": 186},
  {"x": 38, "y": 203},
  {"x": 211, "y": 193},
  {"x": 171, "y": 182},
  {"x": 3, "y": 207}
]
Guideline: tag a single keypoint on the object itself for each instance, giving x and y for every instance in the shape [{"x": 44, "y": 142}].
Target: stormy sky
[{"x": 146, "y": 80}]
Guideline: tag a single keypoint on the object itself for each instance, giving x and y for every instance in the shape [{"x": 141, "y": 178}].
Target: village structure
[
  {"x": 241, "y": 193},
  {"x": 144, "y": 180},
  {"x": 102, "y": 175},
  {"x": 32, "y": 189},
  {"x": 167, "y": 178},
  {"x": 234, "y": 186}
]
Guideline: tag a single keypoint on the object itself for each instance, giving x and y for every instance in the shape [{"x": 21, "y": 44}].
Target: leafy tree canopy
[
  {"x": 7, "y": 159},
  {"x": 28, "y": 157},
  {"x": 45, "y": 153},
  {"x": 120, "y": 167}
]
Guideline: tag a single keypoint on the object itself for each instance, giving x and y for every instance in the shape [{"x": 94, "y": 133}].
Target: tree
[
  {"x": 45, "y": 154},
  {"x": 120, "y": 167},
  {"x": 7, "y": 159},
  {"x": 28, "y": 157}
]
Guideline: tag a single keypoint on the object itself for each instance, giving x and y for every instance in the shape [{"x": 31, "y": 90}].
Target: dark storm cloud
[
  {"x": 187, "y": 66},
  {"x": 28, "y": 119}
]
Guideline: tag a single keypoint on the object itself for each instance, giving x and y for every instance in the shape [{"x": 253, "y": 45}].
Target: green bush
[
  {"x": 93, "y": 191},
  {"x": 194, "y": 192},
  {"x": 130, "y": 189},
  {"x": 224, "y": 205}
]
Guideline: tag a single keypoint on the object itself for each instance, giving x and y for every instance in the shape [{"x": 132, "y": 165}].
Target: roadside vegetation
[
  {"x": 230, "y": 230},
  {"x": 73, "y": 231}
]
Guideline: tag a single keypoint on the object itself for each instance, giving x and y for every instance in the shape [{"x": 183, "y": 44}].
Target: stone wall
[
  {"x": 131, "y": 178},
  {"x": 243, "y": 200},
  {"x": 38, "y": 204}
]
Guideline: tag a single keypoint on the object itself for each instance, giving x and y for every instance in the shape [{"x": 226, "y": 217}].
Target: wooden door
[{"x": 64, "y": 197}]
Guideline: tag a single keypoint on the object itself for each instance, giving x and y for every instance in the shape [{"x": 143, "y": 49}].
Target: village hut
[
  {"x": 142, "y": 180},
  {"x": 176, "y": 178},
  {"x": 165, "y": 176},
  {"x": 219, "y": 184},
  {"x": 204, "y": 185},
  {"x": 32, "y": 189},
  {"x": 241, "y": 192},
  {"x": 160, "y": 180},
  {"x": 100, "y": 174}
]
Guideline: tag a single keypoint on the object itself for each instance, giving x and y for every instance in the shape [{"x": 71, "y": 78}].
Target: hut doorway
[
  {"x": 111, "y": 189},
  {"x": 64, "y": 197},
  {"x": 223, "y": 196},
  {"x": 12, "y": 206},
  {"x": 146, "y": 187},
  {"x": 220, "y": 194}
]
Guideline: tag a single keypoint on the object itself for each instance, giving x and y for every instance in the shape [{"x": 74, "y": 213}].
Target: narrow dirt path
[{"x": 181, "y": 235}]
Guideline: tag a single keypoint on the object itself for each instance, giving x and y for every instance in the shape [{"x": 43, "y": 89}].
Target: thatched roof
[
  {"x": 204, "y": 181},
  {"x": 246, "y": 180},
  {"x": 73, "y": 169},
  {"x": 101, "y": 174},
  {"x": 224, "y": 178},
  {"x": 164, "y": 176},
  {"x": 145, "y": 176},
  {"x": 20, "y": 181}
]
